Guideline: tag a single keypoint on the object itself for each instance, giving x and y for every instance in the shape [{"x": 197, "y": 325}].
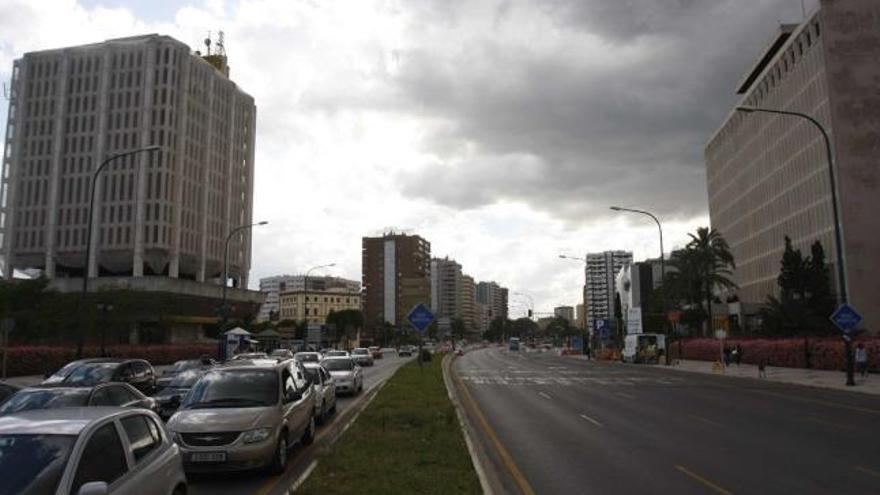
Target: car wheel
[
  {"x": 309, "y": 435},
  {"x": 179, "y": 490},
  {"x": 333, "y": 409},
  {"x": 279, "y": 459}
]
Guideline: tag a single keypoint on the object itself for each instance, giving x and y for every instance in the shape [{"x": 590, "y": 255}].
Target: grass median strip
[{"x": 408, "y": 440}]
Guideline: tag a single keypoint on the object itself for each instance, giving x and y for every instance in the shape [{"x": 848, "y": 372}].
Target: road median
[{"x": 408, "y": 440}]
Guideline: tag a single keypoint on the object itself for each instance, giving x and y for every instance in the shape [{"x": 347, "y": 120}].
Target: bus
[{"x": 514, "y": 344}]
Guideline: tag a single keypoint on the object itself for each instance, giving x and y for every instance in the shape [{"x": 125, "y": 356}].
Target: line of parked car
[{"x": 110, "y": 425}]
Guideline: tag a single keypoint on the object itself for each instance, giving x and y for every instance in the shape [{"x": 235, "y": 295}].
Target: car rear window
[{"x": 338, "y": 364}]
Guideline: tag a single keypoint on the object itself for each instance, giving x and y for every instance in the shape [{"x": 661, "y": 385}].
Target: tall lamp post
[
  {"x": 586, "y": 330},
  {"x": 224, "y": 313},
  {"x": 662, "y": 274},
  {"x": 90, "y": 220},
  {"x": 838, "y": 235},
  {"x": 306, "y": 294}
]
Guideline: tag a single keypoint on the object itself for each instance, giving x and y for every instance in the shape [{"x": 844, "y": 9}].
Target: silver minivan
[
  {"x": 245, "y": 415},
  {"x": 88, "y": 451}
]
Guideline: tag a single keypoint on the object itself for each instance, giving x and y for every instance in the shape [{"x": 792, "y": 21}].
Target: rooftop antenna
[
  {"x": 221, "y": 49},
  {"x": 208, "y": 43}
]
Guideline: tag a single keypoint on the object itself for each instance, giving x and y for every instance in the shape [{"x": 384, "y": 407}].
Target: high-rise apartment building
[
  {"x": 396, "y": 277},
  {"x": 446, "y": 280},
  {"x": 163, "y": 213},
  {"x": 467, "y": 301},
  {"x": 564, "y": 312},
  {"x": 768, "y": 174},
  {"x": 274, "y": 286},
  {"x": 601, "y": 270},
  {"x": 494, "y": 298}
]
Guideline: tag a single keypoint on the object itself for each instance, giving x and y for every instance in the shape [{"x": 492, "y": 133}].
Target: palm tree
[{"x": 702, "y": 266}]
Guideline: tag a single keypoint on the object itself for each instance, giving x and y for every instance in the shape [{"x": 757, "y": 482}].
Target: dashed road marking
[
  {"x": 869, "y": 472},
  {"x": 625, "y": 396},
  {"x": 591, "y": 420},
  {"x": 705, "y": 420},
  {"x": 705, "y": 482},
  {"x": 542, "y": 394}
]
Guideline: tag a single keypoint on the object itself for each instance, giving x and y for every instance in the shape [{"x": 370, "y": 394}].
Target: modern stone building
[
  {"x": 446, "y": 279},
  {"x": 564, "y": 312},
  {"x": 494, "y": 298},
  {"x": 768, "y": 175},
  {"x": 396, "y": 277},
  {"x": 318, "y": 303},
  {"x": 272, "y": 287},
  {"x": 601, "y": 270},
  {"x": 163, "y": 213},
  {"x": 467, "y": 301}
]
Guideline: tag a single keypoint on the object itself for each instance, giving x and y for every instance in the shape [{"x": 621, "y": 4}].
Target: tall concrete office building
[
  {"x": 601, "y": 270},
  {"x": 494, "y": 298},
  {"x": 396, "y": 277},
  {"x": 163, "y": 213},
  {"x": 768, "y": 175},
  {"x": 565, "y": 312},
  {"x": 467, "y": 301}
]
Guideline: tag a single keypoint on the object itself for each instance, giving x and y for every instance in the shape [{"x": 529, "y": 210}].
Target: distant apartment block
[
  {"x": 494, "y": 298},
  {"x": 564, "y": 312},
  {"x": 446, "y": 280},
  {"x": 274, "y": 286},
  {"x": 164, "y": 213},
  {"x": 601, "y": 270},
  {"x": 768, "y": 175},
  {"x": 396, "y": 277},
  {"x": 467, "y": 301}
]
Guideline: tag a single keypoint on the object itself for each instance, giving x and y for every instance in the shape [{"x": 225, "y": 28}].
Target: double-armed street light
[
  {"x": 223, "y": 307},
  {"x": 90, "y": 221},
  {"x": 838, "y": 235},
  {"x": 662, "y": 271}
]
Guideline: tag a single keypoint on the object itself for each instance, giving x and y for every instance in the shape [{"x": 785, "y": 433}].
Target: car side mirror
[{"x": 94, "y": 488}]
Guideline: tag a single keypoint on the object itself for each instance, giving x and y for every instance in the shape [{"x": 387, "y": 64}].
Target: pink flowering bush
[{"x": 826, "y": 353}]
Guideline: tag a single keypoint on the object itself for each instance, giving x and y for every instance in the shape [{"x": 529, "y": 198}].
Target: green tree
[
  {"x": 497, "y": 329},
  {"x": 704, "y": 265},
  {"x": 523, "y": 328},
  {"x": 458, "y": 328}
]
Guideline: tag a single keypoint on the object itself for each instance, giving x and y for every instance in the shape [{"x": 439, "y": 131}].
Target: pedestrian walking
[
  {"x": 726, "y": 356},
  {"x": 862, "y": 359},
  {"x": 588, "y": 352},
  {"x": 738, "y": 354},
  {"x": 762, "y": 367}
]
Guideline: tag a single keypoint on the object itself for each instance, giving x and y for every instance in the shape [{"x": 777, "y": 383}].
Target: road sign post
[
  {"x": 420, "y": 317},
  {"x": 846, "y": 318}
]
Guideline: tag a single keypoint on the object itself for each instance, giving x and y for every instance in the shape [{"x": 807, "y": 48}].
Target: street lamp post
[
  {"x": 306, "y": 295},
  {"x": 662, "y": 275},
  {"x": 224, "y": 313},
  {"x": 89, "y": 219},
  {"x": 838, "y": 235}
]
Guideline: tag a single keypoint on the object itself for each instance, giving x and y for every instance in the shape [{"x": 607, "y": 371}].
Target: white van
[{"x": 643, "y": 348}]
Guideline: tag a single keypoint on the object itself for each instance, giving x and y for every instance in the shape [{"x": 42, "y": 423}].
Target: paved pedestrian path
[{"x": 797, "y": 376}]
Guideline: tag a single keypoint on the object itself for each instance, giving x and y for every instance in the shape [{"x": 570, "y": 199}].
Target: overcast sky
[{"x": 501, "y": 131}]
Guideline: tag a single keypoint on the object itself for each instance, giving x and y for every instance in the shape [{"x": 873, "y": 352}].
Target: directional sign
[
  {"x": 420, "y": 317},
  {"x": 846, "y": 318}
]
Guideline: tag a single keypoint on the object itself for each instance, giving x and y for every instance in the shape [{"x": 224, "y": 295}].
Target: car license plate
[{"x": 208, "y": 457}]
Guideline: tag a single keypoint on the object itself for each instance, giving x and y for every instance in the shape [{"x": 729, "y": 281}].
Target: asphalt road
[
  {"x": 262, "y": 483},
  {"x": 571, "y": 426}
]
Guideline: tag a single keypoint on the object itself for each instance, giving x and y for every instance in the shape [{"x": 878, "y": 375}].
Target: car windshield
[
  {"x": 26, "y": 400},
  {"x": 92, "y": 373},
  {"x": 185, "y": 365},
  {"x": 59, "y": 375},
  {"x": 336, "y": 353},
  {"x": 338, "y": 364},
  {"x": 360, "y": 351},
  {"x": 185, "y": 379},
  {"x": 33, "y": 464},
  {"x": 234, "y": 388},
  {"x": 307, "y": 357}
]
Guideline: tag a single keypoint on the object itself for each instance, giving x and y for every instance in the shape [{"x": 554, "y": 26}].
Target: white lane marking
[
  {"x": 704, "y": 420},
  {"x": 591, "y": 420},
  {"x": 302, "y": 479},
  {"x": 625, "y": 396},
  {"x": 542, "y": 394}
]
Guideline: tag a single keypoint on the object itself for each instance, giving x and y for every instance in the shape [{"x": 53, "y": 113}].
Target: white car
[
  {"x": 348, "y": 375},
  {"x": 88, "y": 451},
  {"x": 325, "y": 388}
]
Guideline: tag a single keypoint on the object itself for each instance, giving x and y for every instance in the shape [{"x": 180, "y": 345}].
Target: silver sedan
[
  {"x": 325, "y": 388},
  {"x": 348, "y": 375},
  {"x": 88, "y": 450}
]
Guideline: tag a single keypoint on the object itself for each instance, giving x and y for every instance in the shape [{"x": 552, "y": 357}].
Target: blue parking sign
[{"x": 846, "y": 318}]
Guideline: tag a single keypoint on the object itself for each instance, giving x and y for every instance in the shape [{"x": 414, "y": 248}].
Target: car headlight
[{"x": 257, "y": 435}]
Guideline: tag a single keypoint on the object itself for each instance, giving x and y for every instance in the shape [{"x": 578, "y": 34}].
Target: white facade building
[
  {"x": 163, "y": 213},
  {"x": 601, "y": 270}
]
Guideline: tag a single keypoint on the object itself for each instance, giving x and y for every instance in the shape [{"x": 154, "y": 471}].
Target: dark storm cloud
[{"x": 536, "y": 122}]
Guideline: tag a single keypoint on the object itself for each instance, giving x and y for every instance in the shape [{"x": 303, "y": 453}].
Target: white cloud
[{"x": 363, "y": 104}]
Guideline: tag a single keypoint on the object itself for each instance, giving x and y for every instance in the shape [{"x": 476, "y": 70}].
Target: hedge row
[
  {"x": 37, "y": 360},
  {"x": 824, "y": 353}
]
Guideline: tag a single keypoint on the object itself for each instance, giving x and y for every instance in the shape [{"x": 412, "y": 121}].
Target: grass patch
[{"x": 408, "y": 440}]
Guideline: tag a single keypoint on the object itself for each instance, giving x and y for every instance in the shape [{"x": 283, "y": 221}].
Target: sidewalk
[{"x": 797, "y": 376}]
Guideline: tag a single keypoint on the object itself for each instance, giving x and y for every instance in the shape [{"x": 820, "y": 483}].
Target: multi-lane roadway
[
  {"x": 259, "y": 483},
  {"x": 564, "y": 425}
]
